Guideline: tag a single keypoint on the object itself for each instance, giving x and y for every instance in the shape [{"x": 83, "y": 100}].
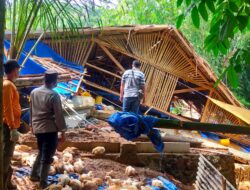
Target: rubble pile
[
  {"x": 100, "y": 131},
  {"x": 72, "y": 171}
]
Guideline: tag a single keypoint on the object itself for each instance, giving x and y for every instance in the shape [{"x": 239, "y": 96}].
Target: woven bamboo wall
[
  {"x": 159, "y": 50},
  {"x": 74, "y": 50},
  {"x": 160, "y": 87}
]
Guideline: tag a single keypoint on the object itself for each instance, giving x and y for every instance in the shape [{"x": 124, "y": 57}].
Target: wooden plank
[
  {"x": 88, "y": 53},
  {"x": 189, "y": 90}
]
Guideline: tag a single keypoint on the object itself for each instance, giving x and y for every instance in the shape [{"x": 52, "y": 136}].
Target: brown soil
[
  {"x": 104, "y": 134},
  {"x": 98, "y": 166}
]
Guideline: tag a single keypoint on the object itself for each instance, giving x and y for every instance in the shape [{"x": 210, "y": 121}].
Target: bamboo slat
[{"x": 140, "y": 49}]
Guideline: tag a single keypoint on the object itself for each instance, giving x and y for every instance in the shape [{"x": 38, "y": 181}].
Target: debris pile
[
  {"x": 242, "y": 174},
  {"x": 72, "y": 171}
]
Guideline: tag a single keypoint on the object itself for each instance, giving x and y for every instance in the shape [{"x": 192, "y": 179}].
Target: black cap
[
  {"x": 51, "y": 72},
  {"x": 50, "y": 76},
  {"x": 10, "y": 65}
]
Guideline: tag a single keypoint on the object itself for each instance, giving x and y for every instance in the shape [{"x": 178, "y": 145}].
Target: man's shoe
[
  {"x": 11, "y": 186},
  {"x": 35, "y": 178},
  {"x": 44, "y": 171},
  {"x": 43, "y": 185}
]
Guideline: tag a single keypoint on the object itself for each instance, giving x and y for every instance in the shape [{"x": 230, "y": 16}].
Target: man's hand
[
  {"x": 143, "y": 101},
  {"x": 63, "y": 137},
  {"x": 14, "y": 135},
  {"x": 121, "y": 98}
]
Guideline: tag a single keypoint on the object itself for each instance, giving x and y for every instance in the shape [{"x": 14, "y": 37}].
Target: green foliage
[
  {"x": 203, "y": 10},
  {"x": 179, "y": 20},
  {"x": 228, "y": 18},
  {"x": 195, "y": 17}
]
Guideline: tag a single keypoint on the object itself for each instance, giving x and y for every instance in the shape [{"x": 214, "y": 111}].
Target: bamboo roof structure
[{"x": 170, "y": 63}]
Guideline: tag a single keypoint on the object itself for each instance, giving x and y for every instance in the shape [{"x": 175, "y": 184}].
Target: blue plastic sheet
[
  {"x": 53, "y": 179},
  {"x": 26, "y": 171},
  {"x": 246, "y": 148},
  {"x": 43, "y": 50},
  {"x": 216, "y": 137},
  {"x": 210, "y": 135},
  {"x": 98, "y": 107},
  {"x": 30, "y": 67},
  {"x": 167, "y": 185},
  {"x": 131, "y": 126},
  {"x": 67, "y": 85},
  {"x": 26, "y": 117}
]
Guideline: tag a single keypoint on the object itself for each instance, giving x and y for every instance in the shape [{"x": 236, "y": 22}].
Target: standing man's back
[
  {"x": 46, "y": 120},
  {"x": 46, "y": 111},
  {"x": 132, "y": 88}
]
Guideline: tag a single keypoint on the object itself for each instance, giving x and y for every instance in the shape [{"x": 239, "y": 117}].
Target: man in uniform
[{"x": 46, "y": 120}]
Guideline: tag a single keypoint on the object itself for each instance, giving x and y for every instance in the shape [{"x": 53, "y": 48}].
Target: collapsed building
[{"x": 176, "y": 77}]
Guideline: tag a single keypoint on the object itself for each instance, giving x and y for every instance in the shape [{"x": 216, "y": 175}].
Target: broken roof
[{"x": 167, "y": 57}]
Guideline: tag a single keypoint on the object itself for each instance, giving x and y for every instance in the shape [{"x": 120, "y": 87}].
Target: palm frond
[{"x": 47, "y": 15}]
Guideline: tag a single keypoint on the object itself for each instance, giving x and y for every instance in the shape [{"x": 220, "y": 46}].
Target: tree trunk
[{"x": 2, "y": 26}]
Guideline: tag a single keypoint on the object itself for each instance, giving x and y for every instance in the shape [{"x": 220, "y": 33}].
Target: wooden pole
[
  {"x": 102, "y": 70},
  {"x": 112, "y": 57},
  {"x": 32, "y": 49},
  {"x": 2, "y": 26},
  {"x": 100, "y": 87},
  {"x": 184, "y": 125}
]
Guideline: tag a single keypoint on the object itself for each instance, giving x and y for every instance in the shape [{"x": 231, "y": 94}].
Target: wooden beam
[
  {"x": 205, "y": 110},
  {"x": 102, "y": 70},
  {"x": 189, "y": 90},
  {"x": 112, "y": 57},
  {"x": 100, "y": 87},
  {"x": 210, "y": 127}
]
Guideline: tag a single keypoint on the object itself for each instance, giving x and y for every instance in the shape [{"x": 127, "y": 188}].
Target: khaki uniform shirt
[{"x": 46, "y": 111}]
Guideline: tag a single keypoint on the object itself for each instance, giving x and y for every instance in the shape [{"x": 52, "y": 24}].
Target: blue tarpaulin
[
  {"x": 131, "y": 126},
  {"x": 216, "y": 137},
  {"x": 53, "y": 179},
  {"x": 30, "y": 67},
  {"x": 43, "y": 50}
]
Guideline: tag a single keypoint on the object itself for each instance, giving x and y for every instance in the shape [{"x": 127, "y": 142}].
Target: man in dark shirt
[
  {"x": 46, "y": 120},
  {"x": 132, "y": 88}
]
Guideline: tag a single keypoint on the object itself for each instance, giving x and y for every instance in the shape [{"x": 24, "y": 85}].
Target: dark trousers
[
  {"x": 47, "y": 144},
  {"x": 131, "y": 104},
  {"x": 8, "y": 150}
]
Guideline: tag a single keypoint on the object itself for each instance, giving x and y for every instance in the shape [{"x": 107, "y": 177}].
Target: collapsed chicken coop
[
  {"x": 176, "y": 76},
  {"x": 179, "y": 85}
]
